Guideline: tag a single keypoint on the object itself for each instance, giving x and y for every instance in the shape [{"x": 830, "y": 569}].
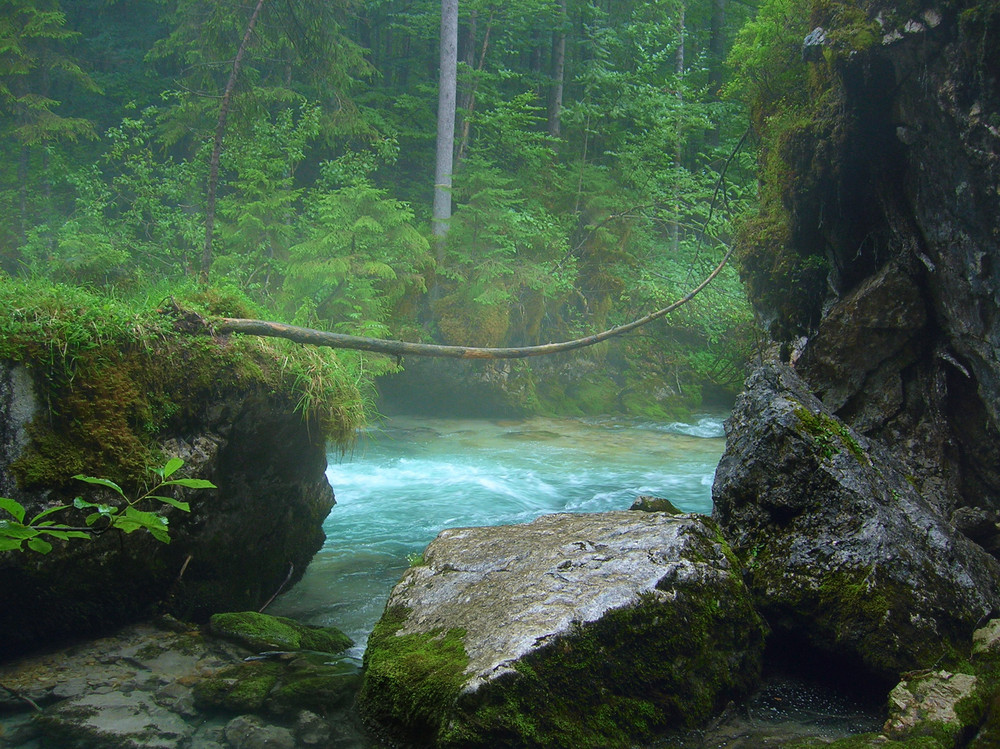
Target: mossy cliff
[
  {"x": 875, "y": 259},
  {"x": 90, "y": 386}
]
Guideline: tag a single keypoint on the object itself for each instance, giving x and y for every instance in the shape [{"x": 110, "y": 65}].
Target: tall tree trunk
[
  {"x": 558, "y": 72},
  {"x": 220, "y": 131},
  {"x": 716, "y": 58},
  {"x": 446, "y": 119},
  {"x": 675, "y": 234}
]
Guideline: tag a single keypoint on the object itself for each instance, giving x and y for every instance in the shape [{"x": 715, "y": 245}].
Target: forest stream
[
  {"x": 405, "y": 480},
  {"x": 409, "y": 478}
]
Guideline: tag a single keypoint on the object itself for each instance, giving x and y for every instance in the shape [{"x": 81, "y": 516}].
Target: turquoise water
[{"x": 409, "y": 478}]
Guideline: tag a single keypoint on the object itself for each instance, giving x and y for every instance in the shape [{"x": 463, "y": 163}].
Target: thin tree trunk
[
  {"x": 558, "y": 72},
  {"x": 463, "y": 142},
  {"x": 675, "y": 235},
  {"x": 446, "y": 120},
  {"x": 220, "y": 131},
  {"x": 716, "y": 58}
]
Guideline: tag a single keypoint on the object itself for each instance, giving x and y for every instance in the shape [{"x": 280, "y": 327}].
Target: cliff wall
[{"x": 876, "y": 259}]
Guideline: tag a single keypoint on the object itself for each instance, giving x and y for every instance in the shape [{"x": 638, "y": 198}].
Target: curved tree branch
[{"x": 405, "y": 348}]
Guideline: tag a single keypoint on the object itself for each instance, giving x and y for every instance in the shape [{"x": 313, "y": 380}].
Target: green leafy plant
[{"x": 127, "y": 517}]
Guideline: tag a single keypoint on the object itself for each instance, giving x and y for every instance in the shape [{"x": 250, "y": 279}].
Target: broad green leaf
[
  {"x": 141, "y": 518},
  {"x": 172, "y": 465},
  {"x": 64, "y": 534},
  {"x": 191, "y": 483},
  {"x": 40, "y": 545},
  {"x": 101, "y": 482},
  {"x": 16, "y": 530},
  {"x": 9, "y": 544},
  {"x": 172, "y": 502},
  {"x": 13, "y": 507},
  {"x": 46, "y": 513}
]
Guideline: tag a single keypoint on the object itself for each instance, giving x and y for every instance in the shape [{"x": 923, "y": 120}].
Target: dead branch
[{"x": 404, "y": 348}]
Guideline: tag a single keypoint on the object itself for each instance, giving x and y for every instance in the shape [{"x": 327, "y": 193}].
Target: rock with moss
[
  {"x": 298, "y": 667},
  {"x": 844, "y": 556},
  {"x": 654, "y": 504},
  {"x": 939, "y": 704},
  {"x": 258, "y": 632},
  {"x": 127, "y": 391},
  {"x": 570, "y": 631}
]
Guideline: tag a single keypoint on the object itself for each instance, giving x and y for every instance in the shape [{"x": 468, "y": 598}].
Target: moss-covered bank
[{"x": 89, "y": 384}]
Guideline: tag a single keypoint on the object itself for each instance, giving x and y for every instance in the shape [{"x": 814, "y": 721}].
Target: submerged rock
[
  {"x": 842, "y": 553},
  {"x": 148, "y": 688},
  {"x": 573, "y": 630}
]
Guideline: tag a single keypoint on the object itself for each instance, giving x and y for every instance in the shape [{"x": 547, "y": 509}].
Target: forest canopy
[{"x": 594, "y": 177}]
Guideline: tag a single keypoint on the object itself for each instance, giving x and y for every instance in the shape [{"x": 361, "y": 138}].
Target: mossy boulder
[
  {"x": 240, "y": 688},
  {"x": 89, "y": 387},
  {"x": 282, "y": 687},
  {"x": 571, "y": 631},
  {"x": 298, "y": 670},
  {"x": 844, "y": 556},
  {"x": 259, "y": 632},
  {"x": 646, "y": 503}
]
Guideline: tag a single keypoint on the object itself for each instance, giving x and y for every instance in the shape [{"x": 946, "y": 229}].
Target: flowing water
[{"x": 409, "y": 478}]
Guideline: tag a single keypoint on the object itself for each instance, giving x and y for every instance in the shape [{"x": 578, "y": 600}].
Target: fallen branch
[
  {"x": 291, "y": 569},
  {"x": 404, "y": 348},
  {"x": 18, "y": 695}
]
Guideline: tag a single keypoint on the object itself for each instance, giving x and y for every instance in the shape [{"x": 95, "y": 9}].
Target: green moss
[
  {"x": 116, "y": 379},
  {"x": 830, "y": 435},
  {"x": 240, "y": 689},
  {"x": 314, "y": 682},
  {"x": 264, "y": 632},
  {"x": 412, "y": 681}
]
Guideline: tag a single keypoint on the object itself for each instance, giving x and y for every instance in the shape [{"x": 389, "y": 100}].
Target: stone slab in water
[{"x": 573, "y": 630}]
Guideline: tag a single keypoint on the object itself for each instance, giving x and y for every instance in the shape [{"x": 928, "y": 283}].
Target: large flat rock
[{"x": 574, "y": 630}]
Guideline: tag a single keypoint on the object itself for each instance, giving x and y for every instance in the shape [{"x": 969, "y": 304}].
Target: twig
[
  {"x": 20, "y": 696},
  {"x": 183, "y": 568},
  {"x": 291, "y": 568}
]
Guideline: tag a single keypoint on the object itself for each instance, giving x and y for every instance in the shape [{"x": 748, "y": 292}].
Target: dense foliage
[{"x": 594, "y": 181}]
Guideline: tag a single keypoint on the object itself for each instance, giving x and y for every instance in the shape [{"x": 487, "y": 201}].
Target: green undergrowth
[{"x": 112, "y": 376}]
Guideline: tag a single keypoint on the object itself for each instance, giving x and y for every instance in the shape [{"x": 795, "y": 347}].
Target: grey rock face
[
  {"x": 17, "y": 409},
  {"x": 582, "y": 630},
  {"x": 888, "y": 209},
  {"x": 841, "y": 549}
]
